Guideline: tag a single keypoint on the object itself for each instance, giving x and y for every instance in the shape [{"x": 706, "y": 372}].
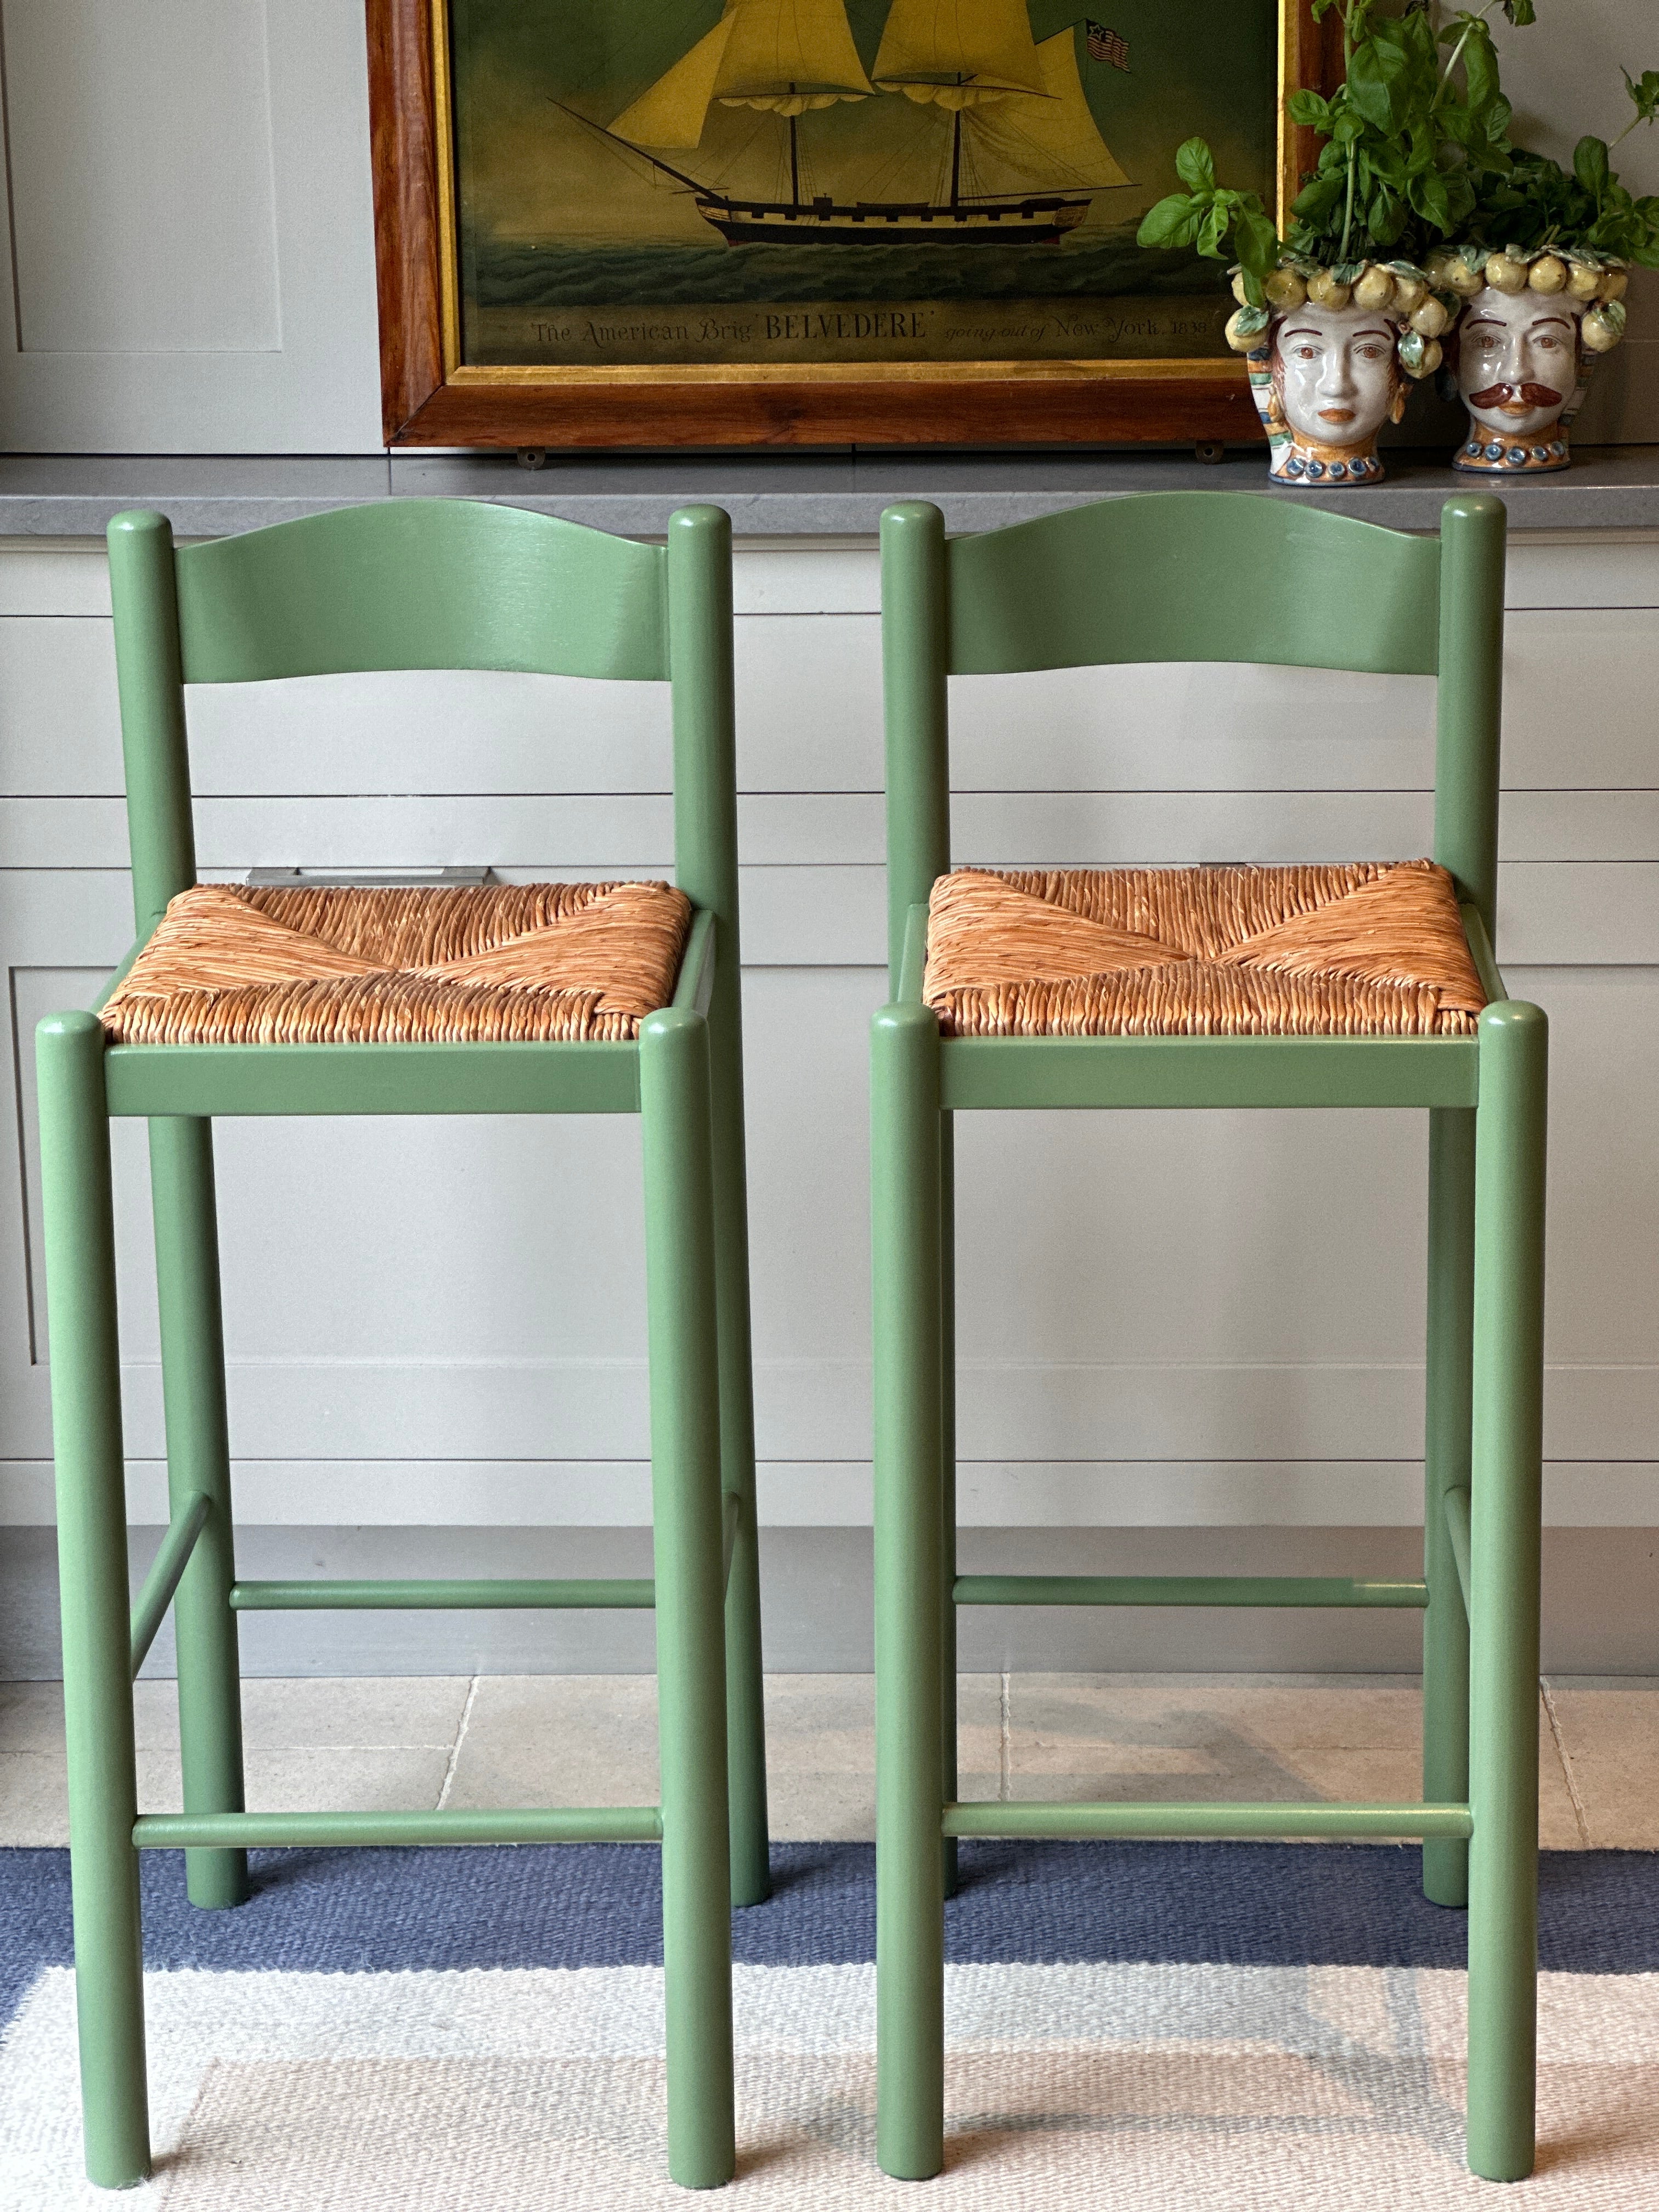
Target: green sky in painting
[{"x": 528, "y": 171}]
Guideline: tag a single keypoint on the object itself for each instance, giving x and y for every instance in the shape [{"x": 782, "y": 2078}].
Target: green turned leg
[
  {"x": 685, "y": 1482},
  {"x": 745, "y": 1717},
  {"x": 905, "y": 1187},
  {"x": 1508, "y": 1448},
  {"x": 947, "y": 1220},
  {"x": 198, "y": 1459},
  {"x": 1445, "y": 1625},
  {"x": 92, "y": 1551}
]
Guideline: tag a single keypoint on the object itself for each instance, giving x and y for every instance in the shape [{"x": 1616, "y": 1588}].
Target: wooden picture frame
[{"x": 430, "y": 396}]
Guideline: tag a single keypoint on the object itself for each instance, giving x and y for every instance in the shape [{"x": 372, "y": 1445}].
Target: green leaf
[
  {"x": 1481, "y": 70},
  {"x": 1520, "y": 12},
  {"x": 1317, "y": 201},
  {"x": 1309, "y": 110},
  {"x": 1196, "y": 166},
  {"x": 1591, "y": 167},
  {"x": 1386, "y": 216},
  {"x": 1428, "y": 194},
  {"x": 1257, "y": 242},
  {"x": 1252, "y": 321},
  {"x": 1212, "y": 231},
  {"x": 1644, "y": 91},
  {"x": 1173, "y": 222},
  {"x": 1376, "y": 85}
]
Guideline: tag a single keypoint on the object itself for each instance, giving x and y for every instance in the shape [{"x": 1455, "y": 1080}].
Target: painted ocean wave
[{"x": 517, "y": 274}]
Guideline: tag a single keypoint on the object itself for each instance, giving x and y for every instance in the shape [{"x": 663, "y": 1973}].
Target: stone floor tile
[
  {"x": 362, "y": 1712},
  {"x": 558, "y": 1740},
  {"x": 1610, "y": 1741},
  {"x": 316, "y": 1779},
  {"x": 33, "y": 1800},
  {"x": 1620, "y": 1808},
  {"x": 32, "y": 1717},
  {"x": 821, "y": 1808}
]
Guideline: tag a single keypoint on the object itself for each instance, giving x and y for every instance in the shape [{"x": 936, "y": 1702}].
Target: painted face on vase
[
  {"x": 1517, "y": 372},
  {"x": 1334, "y": 379}
]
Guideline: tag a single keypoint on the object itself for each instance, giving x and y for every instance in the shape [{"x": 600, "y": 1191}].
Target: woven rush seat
[
  {"x": 1374, "y": 949},
  {"x": 494, "y": 963}
]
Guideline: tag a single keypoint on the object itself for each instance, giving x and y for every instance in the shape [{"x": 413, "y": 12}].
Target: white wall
[
  {"x": 191, "y": 233},
  {"x": 192, "y": 219}
]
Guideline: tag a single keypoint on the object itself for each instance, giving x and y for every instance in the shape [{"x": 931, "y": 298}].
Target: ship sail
[
  {"x": 790, "y": 55},
  {"x": 1014, "y": 145},
  {"x": 959, "y": 53},
  {"x": 673, "y": 111},
  {"x": 784, "y": 55}
]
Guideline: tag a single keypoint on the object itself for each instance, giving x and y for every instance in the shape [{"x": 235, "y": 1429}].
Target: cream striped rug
[{"x": 483, "y": 2030}]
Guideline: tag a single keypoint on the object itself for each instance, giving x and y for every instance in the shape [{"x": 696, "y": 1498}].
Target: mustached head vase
[
  {"x": 1332, "y": 358},
  {"x": 1531, "y": 328}
]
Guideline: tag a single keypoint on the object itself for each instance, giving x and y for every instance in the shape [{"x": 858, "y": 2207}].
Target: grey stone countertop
[{"x": 839, "y": 494}]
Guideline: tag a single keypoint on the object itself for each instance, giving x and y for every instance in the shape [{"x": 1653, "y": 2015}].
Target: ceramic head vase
[
  {"x": 1530, "y": 329},
  {"x": 1331, "y": 362},
  {"x": 1332, "y": 379}
]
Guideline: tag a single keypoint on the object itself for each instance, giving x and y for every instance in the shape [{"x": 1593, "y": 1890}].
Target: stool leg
[
  {"x": 745, "y": 1717},
  {"x": 685, "y": 1483},
  {"x": 1445, "y": 1625},
  {"x": 198, "y": 1459},
  {"x": 1504, "y": 1548},
  {"x": 92, "y": 1551},
  {"x": 905, "y": 1188},
  {"x": 947, "y": 1259}
]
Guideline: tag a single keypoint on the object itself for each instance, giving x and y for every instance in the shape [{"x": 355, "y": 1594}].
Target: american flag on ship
[{"x": 1105, "y": 45}]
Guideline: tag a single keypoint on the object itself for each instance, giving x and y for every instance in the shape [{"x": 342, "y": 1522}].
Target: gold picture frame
[{"x": 433, "y": 395}]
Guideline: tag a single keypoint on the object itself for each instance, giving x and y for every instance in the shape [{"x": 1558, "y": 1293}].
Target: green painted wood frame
[
  {"x": 1240, "y": 578},
  {"x": 403, "y": 584}
]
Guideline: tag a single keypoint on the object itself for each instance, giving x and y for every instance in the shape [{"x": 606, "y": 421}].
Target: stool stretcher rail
[
  {"x": 1457, "y": 1504},
  {"x": 1201, "y": 1822},
  {"x": 491, "y": 1594},
  {"x": 1185, "y": 1589},
  {"x": 166, "y": 1573},
  {"x": 535, "y": 1824},
  {"x": 730, "y": 1522}
]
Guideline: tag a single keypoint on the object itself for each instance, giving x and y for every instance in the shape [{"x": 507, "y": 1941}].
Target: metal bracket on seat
[{"x": 369, "y": 879}]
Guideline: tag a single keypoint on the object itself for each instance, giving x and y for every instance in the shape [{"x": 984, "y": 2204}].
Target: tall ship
[{"x": 997, "y": 145}]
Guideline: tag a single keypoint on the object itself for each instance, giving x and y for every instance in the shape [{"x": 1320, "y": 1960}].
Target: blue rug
[{"x": 1196, "y": 2025}]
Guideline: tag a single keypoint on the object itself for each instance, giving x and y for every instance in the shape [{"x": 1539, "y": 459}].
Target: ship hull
[{"x": 1041, "y": 222}]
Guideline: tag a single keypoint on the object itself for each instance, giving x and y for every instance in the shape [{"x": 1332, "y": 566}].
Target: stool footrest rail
[
  {"x": 1202, "y": 1821},
  {"x": 490, "y": 1594},
  {"x": 1184, "y": 1590},
  {"x": 532, "y": 1824}
]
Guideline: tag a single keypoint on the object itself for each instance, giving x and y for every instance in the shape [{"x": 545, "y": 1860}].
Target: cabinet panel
[
  {"x": 192, "y": 214},
  {"x": 119, "y": 249}
]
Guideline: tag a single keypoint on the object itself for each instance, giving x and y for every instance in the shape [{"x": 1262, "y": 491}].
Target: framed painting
[{"x": 812, "y": 223}]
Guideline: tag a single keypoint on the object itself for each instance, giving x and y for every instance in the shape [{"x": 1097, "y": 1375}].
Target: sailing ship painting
[
  {"x": 725, "y": 181},
  {"x": 1022, "y": 157}
]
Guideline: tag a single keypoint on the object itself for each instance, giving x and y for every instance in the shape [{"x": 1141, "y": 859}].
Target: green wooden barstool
[
  {"x": 493, "y": 999},
  {"x": 1369, "y": 986}
]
